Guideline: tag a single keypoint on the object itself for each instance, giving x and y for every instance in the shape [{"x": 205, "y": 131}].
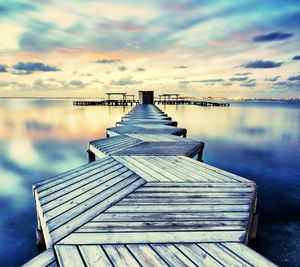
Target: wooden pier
[
  {"x": 146, "y": 202},
  {"x": 164, "y": 99}
]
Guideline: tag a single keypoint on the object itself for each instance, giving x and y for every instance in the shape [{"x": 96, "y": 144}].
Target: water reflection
[{"x": 260, "y": 141}]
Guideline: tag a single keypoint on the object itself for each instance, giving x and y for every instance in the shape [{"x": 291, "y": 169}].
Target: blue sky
[{"x": 195, "y": 48}]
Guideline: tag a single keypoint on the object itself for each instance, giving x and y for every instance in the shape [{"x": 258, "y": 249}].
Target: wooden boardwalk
[{"x": 133, "y": 208}]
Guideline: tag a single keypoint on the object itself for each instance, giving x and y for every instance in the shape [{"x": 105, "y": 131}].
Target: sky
[{"x": 196, "y": 48}]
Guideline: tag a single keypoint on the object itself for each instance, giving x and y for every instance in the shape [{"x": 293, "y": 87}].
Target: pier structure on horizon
[
  {"x": 164, "y": 99},
  {"x": 142, "y": 200}
]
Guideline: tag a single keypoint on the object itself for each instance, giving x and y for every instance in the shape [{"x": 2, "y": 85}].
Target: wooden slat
[
  {"x": 154, "y": 237},
  {"x": 137, "y": 168},
  {"x": 222, "y": 256},
  {"x": 146, "y": 256},
  {"x": 97, "y": 227},
  {"x": 94, "y": 256},
  {"x": 169, "y": 216},
  {"x": 180, "y": 208},
  {"x": 172, "y": 255},
  {"x": 248, "y": 255},
  {"x": 44, "y": 259},
  {"x": 68, "y": 256},
  {"x": 197, "y": 255},
  {"x": 120, "y": 256}
]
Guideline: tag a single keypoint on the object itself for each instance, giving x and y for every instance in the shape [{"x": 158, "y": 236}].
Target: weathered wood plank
[
  {"x": 169, "y": 216},
  {"x": 248, "y": 255},
  {"x": 68, "y": 256},
  {"x": 180, "y": 208},
  {"x": 154, "y": 237},
  {"x": 172, "y": 255},
  {"x": 221, "y": 256},
  {"x": 44, "y": 259},
  {"x": 146, "y": 256},
  {"x": 197, "y": 255},
  {"x": 120, "y": 256},
  {"x": 94, "y": 256},
  {"x": 97, "y": 227}
]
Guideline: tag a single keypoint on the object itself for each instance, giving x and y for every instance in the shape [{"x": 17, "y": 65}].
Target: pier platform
[{"x": 132, "y": 208}]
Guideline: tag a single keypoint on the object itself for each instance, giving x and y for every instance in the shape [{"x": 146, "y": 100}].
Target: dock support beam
[
  {"x": 200, "y": 153},
  {"x": 253, "y": 222},
  {"x": 40, "y": 240},
  {"x": 91, "y": 156}
]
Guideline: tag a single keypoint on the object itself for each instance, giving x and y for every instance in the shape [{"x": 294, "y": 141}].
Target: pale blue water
[{"x": 257, "y": 140}]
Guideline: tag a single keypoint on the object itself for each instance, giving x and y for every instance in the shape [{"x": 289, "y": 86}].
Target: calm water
[{"x": 258, "y": 140}]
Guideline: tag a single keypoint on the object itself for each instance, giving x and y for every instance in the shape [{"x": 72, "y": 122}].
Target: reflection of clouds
[
  {"x": 12, "y": 186},
  {"x": 248, "y": 123},
  {"x": 22, "y": 151},
  {"x": 63, "y": 121}
]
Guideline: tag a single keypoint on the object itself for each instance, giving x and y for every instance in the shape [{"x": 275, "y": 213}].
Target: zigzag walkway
[{"x": 146, "y": 202}]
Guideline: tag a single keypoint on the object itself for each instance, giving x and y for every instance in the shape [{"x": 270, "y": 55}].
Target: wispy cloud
[
  {"x": 125, "y": 81},
  {"x": 294, "y": 78},
  {"x": 243, "y": 73},
  {"x": 108, "y": 61},
  {"x": 24, "y": 68},
  {"x": 273, "y": 36},
  {"x": 262, "y": 64},
  {"x": 253, "y": 84},
  {"x": 238, "y": 79},
  {"x": 3, "y": 68},
  {"x": 203, "y": 81},
  {"x": 181, "y": 67},
  {"x": 272, "y": 79},
  {"x": 122, "y": 68}
]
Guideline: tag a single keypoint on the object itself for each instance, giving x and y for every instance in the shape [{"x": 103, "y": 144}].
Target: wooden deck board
[{"x": 142, "y": 129}]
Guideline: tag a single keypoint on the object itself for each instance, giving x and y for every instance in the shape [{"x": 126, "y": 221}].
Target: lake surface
[{"x": 257, "y": 140}]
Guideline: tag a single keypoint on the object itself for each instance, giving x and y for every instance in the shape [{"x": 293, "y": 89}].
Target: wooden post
[
  {"x": 200, "y": 153},
  {"x": 253, "y": 222},
  {"x": 91, "y": 156}
]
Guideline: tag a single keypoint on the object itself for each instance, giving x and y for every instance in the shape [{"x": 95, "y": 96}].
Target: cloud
[
  {"x": 203, "y": 81},
  {"x": 243, "y": 74},
  {"x": 181, "y": 67},
  {"x": 252, "y": 84},
  {"x": 293, "y": 85},
  {"x": 294, "y": 78},
  {"x": 108, "y": 61},
  {"x": 272, "y": 79},
  {"x": 273, "y": 36},
  {"x": 3, "y": 68},
  {"x": 25, "y": 68},
  {"x": 140, "y": 69},
  {"x": 261, "y": 64},
  {"x": 122, "y": 68},
  {"x": 227, "y": 84},
  {"x": 239, "y": 79},
  {"x": 125, "y": 81},
  {"x": 77, "y": 84},
  {"x": 296, "y": 58}
]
